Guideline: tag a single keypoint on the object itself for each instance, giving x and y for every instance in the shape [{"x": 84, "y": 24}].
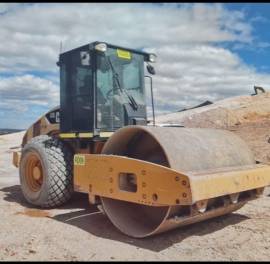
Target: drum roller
[{"x": 181, "y": 149}]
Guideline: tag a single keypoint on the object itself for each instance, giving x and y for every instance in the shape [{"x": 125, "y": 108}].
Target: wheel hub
[
  {"x": 36, "y": 173},
  {"x": 33, "y": 172}
]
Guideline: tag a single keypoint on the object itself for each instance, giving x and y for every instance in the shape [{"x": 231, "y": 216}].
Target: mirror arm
[{"x": 152, "y": 99}]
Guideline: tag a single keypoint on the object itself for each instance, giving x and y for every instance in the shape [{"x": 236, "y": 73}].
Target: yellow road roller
[{"x": 146, "y": 178}]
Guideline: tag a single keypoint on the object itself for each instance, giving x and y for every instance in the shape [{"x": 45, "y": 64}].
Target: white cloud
[
  {"x": 19, "y": 92},
  {"x": 201, "y": 73},
  {"x": 30, "y": 36},
  {"x": 8, "y": 7},
  {"x": 190, "y": 68}
]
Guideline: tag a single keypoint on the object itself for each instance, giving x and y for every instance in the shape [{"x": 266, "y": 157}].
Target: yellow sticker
[
  {"x": 124, "y": 54},
  {"x": 79, "y": 160}
]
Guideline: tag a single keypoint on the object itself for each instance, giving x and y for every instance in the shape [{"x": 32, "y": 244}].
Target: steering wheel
[
  {"x": 110, "y": 91},
  {"x": 133, "y": 88}
]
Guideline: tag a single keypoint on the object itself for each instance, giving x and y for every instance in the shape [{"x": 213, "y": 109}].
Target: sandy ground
[{"x": 78, "y": 231}]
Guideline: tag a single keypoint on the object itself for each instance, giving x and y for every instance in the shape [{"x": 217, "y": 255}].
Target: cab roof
[{"x": 93, "y": 44}]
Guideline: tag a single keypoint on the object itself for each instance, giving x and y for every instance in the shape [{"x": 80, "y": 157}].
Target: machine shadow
[
  {"x": 91, "y": 220},
  {"x": 14, "y": 194},
  {"x": 96, "y": 223}
]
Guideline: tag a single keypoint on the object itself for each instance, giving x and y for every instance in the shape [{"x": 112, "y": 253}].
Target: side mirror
[{"x": 151, "y": 69}]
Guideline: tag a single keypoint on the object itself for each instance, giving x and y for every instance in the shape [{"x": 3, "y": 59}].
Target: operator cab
[{"x": 102, "y": 88}]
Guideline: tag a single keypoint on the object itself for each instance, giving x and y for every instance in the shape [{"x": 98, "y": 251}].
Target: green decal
[{"x": 79, "y": 160}]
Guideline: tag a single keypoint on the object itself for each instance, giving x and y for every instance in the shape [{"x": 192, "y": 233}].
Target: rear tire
[{"x": 46, "y": 172}]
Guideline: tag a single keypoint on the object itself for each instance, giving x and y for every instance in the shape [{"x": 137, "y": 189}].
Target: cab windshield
[{"x": 120, "y": 81}]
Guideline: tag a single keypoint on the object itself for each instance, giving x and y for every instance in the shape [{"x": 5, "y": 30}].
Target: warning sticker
[
  {"x": 79, "y": 160},
  {"x": 124, "y": 54}
]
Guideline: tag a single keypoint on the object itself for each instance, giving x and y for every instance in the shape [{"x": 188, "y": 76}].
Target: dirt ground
[{"x": 77, "y": 231}]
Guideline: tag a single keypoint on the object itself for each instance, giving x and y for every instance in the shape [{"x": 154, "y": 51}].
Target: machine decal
[
  {"x": 53, "y": 117},
  {"x": 57, "y": 117},
  {"x": 123, "y": 54},
  {"x": 79, "y": 160}
]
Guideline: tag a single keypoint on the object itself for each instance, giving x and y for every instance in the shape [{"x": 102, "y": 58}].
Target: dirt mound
[
  {"x": 224, "y": 113},
  {"x": 247, "y": 116}
]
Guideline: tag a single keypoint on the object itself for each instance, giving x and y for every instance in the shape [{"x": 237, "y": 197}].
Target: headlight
[
  {"x": 101, "y": 47},
  {"x": 152, "y": 57}
]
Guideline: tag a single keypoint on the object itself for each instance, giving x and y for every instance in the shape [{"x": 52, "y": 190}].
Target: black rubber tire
[{"x": 57, "y": 167}]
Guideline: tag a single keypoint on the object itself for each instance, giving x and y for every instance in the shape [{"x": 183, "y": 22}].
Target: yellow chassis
[
  {"x": 98, "y": 175},
  {"x": 156, "y": 185}
]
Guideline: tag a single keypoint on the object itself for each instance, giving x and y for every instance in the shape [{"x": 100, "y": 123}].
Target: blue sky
[
  {"x": 205, "y": 51},
  {"x": 260, "y": 20}
]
